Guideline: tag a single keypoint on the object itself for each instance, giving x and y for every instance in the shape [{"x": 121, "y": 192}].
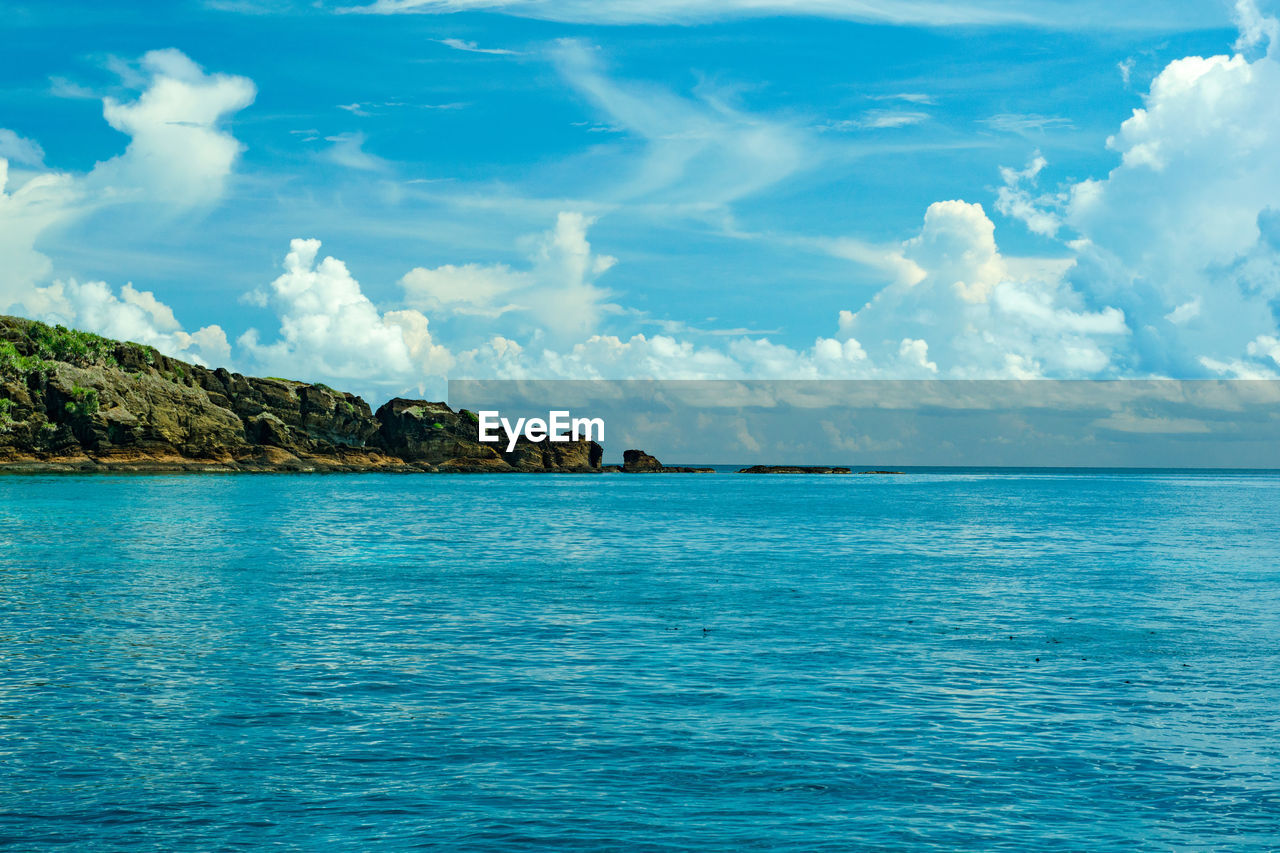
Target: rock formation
[{"x": 639, "y": 462}]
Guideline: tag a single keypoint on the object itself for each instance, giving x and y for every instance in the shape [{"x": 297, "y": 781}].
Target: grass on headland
[
  {"x": 13, "y": 363},
  {"x": 48, "y": 344}
]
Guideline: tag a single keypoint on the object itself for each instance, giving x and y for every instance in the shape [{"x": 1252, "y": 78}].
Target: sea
[{"x": 939, "y": 660}]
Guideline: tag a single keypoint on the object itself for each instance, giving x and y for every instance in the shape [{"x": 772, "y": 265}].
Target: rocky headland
[{"x": 74, "y": 401}]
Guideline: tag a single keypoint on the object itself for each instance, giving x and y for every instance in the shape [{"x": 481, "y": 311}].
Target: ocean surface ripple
[{"x": 941, "y": 661}]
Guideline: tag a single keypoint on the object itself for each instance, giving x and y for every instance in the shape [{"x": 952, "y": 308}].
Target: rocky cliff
[{"x": 75, "y": 401}]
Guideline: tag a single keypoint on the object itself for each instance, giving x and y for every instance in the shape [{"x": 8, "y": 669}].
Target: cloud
[
  {"x": 472, "y": 47},
  {"x": 557, "y": 294},
  {"x": 1265, "y": 347},
  {"x": 1083, "y": 14},
  {"x": 1186, "y": 217},
  {"x": 874, "y": 119},
  {"x": 1256, "y": 29},
  {"x": 1182, "y": 235},
  {"x": 1145, "y": 425},
  {"x": 330, "y": 330},
  {"x": 1185, "y": 313},
  {"x": 1026, "y": 123},
  {"x": 700, "y": 153},
  {"x": 132, "y": 315},
  {"x": 971, "y": 312},
  {"x": 61, "y": 87},
  {"x": 1167, "y": 265},
  {"x": 348, "y": 151},
  {"x": 892, "y": 118},
  {"x": 42, "y": 202},
  {"x": 16, "y": 149},
  {"x": 1126, "y": 70},
  {"x": 956, "y": 308},
  {"x": 178, "y": 152},
  {"x": 1015, "y": 198},
  {"x": 178, "y": 157},
  {"x": 909, "y": 97}
]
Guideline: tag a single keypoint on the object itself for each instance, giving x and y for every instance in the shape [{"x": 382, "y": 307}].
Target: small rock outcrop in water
[
  {"x": 793, "y": 469},
  {"x": 639, "y": 462},
  {"x": 75, "y": 401}
]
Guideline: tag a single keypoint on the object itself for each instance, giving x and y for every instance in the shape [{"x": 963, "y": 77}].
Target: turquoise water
[{"x": 930, "y": 662}]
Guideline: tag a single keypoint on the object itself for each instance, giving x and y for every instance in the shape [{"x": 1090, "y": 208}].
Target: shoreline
[{"x": 90, "y": 466}]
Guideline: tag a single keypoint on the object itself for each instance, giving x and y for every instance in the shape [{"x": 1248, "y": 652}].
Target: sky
[{"x": 385, "y": 195}]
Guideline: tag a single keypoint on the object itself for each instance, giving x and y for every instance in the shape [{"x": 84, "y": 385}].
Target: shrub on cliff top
[
  {"x": 13, "y": 363},
  {"x": 58, "y": 343}
]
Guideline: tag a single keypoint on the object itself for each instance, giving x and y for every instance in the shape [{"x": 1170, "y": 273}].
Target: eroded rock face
[
  {"x": 292, "y": 415},
  {"x": 423, "y": 431},
  {"x": 571, "y": 456},
  {"x": 67, "y": 410}
]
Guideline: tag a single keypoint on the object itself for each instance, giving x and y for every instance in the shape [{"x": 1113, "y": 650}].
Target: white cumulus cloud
[
  {"x": 971, "y": 312},
  {"x": 1182, "y": 234},
  {"x": 330, "y": 330},
  {"x": 131, "y": 315},
  {"x": 178, "y": 151}
]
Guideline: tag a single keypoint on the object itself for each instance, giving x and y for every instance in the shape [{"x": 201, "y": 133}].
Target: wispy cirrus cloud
[
  {"x": 1024, "y": 123},
  {"x": 1176, "y": 15},
  {"x": 920, "y": 98},
  {"x": 348, "y": 150},
  {"x": 699, "y": 152},
  {"x": 878, "y": 119},
  {"x": 472, "y": 47}
]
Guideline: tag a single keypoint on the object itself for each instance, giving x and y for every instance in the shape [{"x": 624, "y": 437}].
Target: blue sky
[{"x": 682, "y": 188}]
